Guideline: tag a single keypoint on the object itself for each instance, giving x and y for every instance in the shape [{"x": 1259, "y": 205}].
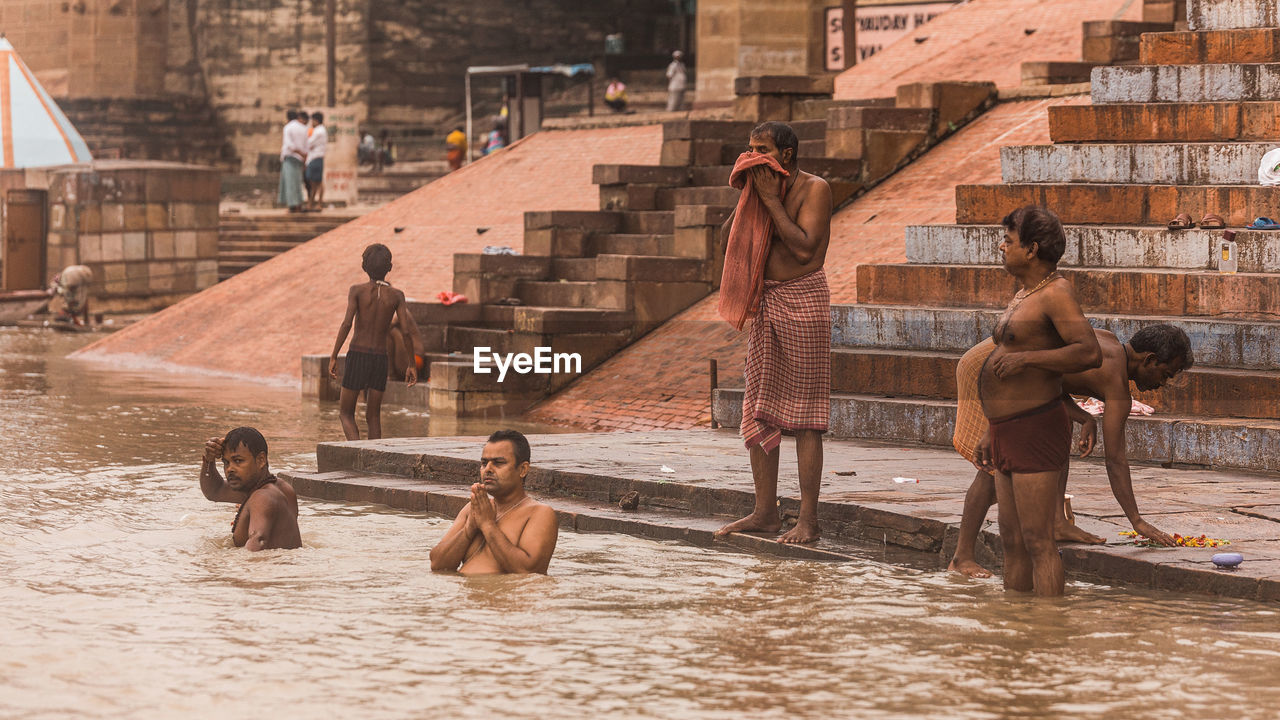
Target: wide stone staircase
[
  {"x": 1183, "y": 131},
  {"x": 245, "y": 240},
  {"x": 590, "y": 283}
]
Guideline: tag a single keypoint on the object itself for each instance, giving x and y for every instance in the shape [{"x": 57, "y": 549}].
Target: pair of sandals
[
  {"x": 1209, "y": 222},
  {"x": 1263, "y": 223}
]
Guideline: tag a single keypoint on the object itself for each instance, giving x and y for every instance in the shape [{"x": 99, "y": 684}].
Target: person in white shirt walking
[
  {"x": 314, "y": 176},
  {"x": 677, "y": 81},
  {"x": 293, "y": 152}
]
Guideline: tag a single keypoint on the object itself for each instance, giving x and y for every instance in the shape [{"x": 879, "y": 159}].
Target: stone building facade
[{"x": 209, "y": 80}]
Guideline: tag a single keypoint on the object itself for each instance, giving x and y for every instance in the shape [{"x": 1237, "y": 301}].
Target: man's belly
[{"x": 1027, "y": 390}]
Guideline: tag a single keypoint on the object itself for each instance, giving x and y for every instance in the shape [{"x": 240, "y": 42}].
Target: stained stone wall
[
  {"x": 398, "y": 63},
  {"x": 756, "y": 37}
]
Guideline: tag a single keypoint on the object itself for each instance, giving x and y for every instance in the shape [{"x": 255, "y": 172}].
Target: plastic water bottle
[{"x": 1227, "y": 253}]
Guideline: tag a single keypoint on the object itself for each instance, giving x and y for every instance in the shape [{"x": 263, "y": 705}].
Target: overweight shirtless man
[
  {"x": 788, "y": 367},
  {"x": 268, "y": 514},
  {"x": 1152, "y": 358},
  {"x": 1042, "y": 336},
  {"x": 502, "y": 529}
]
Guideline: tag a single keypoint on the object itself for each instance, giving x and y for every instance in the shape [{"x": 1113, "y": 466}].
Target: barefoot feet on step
[
  {"x": 968, "y": 568},
  {"x": 755, "y": 522},
  {"x": 1072, "y": 534},
  {"x": 805, "y": 531}
]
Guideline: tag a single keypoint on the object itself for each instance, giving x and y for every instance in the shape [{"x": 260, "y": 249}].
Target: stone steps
[
  {"x": 558, "y": 293},
  {"x": 1217, "y": 342},
  {"x": 1117, "y": 204},
  {"x": 1101, "y": 290},
  {"x": 574, "y": 269},
  {"x": 1201, "y": 391},
  {"x": 1245, "y": 444},
  {"x": 629, "y": 244},
  {"x": 1150, "y": 164},
  {"x": 1227, "y": 14},
  {"x": 1165, "y": 122},
  {"x": 1253, "y": 45},
  {"x": 1239, "y": 82},
  {"x": 1095, "y": 246}
]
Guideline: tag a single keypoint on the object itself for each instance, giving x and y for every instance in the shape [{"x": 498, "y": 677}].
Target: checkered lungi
[
  {"x": 971, "y": 421},
  {"x": 788, "y": 368}
]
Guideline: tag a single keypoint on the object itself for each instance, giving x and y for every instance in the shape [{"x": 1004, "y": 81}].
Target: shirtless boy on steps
[{"x": 372, "y": 306}]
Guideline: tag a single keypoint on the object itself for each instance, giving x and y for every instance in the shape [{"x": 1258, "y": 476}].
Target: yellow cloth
[{"x": 457, "y": 138}]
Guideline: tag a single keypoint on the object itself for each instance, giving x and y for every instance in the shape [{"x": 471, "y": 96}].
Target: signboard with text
[{"x": 878, "y": 26}]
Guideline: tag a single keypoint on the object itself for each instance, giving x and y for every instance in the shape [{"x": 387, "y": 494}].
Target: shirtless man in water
[
  {"x": 1153, "y": 357},
  {"x": 372, "y": 306},
  {"x": 268, "y": 513},
  {"x": 788, "y": 370},
  {"x": 502, "y": 529},
  {"x": 1042, "y": 335}
]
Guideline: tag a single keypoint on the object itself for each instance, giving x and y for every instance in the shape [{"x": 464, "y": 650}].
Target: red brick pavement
[
  {"x": 982, "y": 40},
  {"x": 661, "y": 382},
  {"x": 261, "y": 322}
]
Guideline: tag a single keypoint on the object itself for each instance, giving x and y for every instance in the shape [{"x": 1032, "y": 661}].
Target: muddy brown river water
[{"x": 121, "y": 597}]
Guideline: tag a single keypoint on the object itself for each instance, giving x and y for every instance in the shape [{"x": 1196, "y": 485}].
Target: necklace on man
[
  {"x": 513, "y": 507},
  {"x": 1024, "y": 293}
]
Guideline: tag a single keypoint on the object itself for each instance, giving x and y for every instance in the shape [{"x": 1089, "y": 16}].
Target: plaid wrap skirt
[{"x": 788, "y": 369}]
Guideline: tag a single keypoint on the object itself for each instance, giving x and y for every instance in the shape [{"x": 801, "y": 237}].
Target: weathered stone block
[
  {"x": 135, "y": 246},
  {"x": 112, "y": 217},
  {"x": 157, "y": 216},
  {"x": 785, "y": 85},
  {"x": 207, "y": 243},
  {"x": 628, "y": 197},
  {"x": 555, "y": 242},
  {"x": 162, "y": 245},
  {"x": 1055, "y": 72},
  {"x": 112, "y": 247},
  {"x": 184, "y": 244}
]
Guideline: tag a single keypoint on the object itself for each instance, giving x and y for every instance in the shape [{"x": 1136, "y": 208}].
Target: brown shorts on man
[{"x": 1038, "y": 440}]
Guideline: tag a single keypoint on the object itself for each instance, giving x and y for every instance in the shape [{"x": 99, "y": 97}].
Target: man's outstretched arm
[{"x": 1114, "y": 418}]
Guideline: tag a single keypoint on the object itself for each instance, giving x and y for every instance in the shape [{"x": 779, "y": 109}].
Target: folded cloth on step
[
  {"x": 1094, "y": 407},
  {"x": 788, "y": 368},
  {"x": 1269, "y": 168},
  {"x": 742, "y": 281}
]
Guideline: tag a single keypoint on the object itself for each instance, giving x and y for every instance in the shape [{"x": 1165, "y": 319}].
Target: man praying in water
[
  {"x": 502, "y": 529},
  {"x": 268, "y": 514}
]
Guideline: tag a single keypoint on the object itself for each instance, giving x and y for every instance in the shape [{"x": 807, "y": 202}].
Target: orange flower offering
[{"x": 1202, "y": 541}]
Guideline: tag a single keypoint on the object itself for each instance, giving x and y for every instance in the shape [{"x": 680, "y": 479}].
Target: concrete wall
[{"x": 756, "y": 37}]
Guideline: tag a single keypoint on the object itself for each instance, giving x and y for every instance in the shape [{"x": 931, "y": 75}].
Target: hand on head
[{"x": 213, "y": 450}]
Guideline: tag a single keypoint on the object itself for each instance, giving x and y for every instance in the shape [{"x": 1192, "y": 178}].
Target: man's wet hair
[
  {"x": 1038, "y": 224},
  {"x": 517, "y": 440},
  {"x": 317, "y": 116},
  {"x": 247, "y": 436},
  {"x": 1168, "y": 343},
  {"x": 377, "y": 261},
  {"x": 781, "y": 134},
  {"x": 291, "y": 114}
]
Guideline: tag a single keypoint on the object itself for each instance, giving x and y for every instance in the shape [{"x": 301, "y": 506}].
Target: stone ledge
[
  {"x": 911, "y": 524},
  {"x": 1035, "y": 92}
]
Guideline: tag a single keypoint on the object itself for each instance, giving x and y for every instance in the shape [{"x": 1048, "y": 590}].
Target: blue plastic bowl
[{"x": 1228, "y": 560}]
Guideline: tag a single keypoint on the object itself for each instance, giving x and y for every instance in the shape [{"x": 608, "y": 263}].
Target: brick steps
[
  {"x": 1101, "y": 290},
  {"x": 1252, "y": 45},
  {"x": 1238, "y": 82},
  {"x": 1165, "y": 122},
  {"x": 1117, "y": 204},
  {"x": 1246, "y": 444},
  {"x": 1095, "y": 246},
  {"x": 1154, "y": 164},
  {"x": 1212, "y": 392},
  {"x": 1216, "y": 342}
]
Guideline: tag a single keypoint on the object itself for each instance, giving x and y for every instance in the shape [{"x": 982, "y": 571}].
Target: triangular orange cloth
[{"x": 742, "y": 281}]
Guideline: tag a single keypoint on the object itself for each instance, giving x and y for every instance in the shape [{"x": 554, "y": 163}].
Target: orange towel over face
[{"x": 742, "y": 281}]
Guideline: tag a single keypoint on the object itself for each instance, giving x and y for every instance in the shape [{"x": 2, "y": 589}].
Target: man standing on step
[
  {"x": 372, "y": 306},
  {"x": 1153, "y": 357},
  {"x": 317, "y": 144},
  {"x": 293, "y": 151},
  {"x": 1042, "y": 336},
  {"x": 502, "y": 529},
  {"x": 775, "y": 246}
]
